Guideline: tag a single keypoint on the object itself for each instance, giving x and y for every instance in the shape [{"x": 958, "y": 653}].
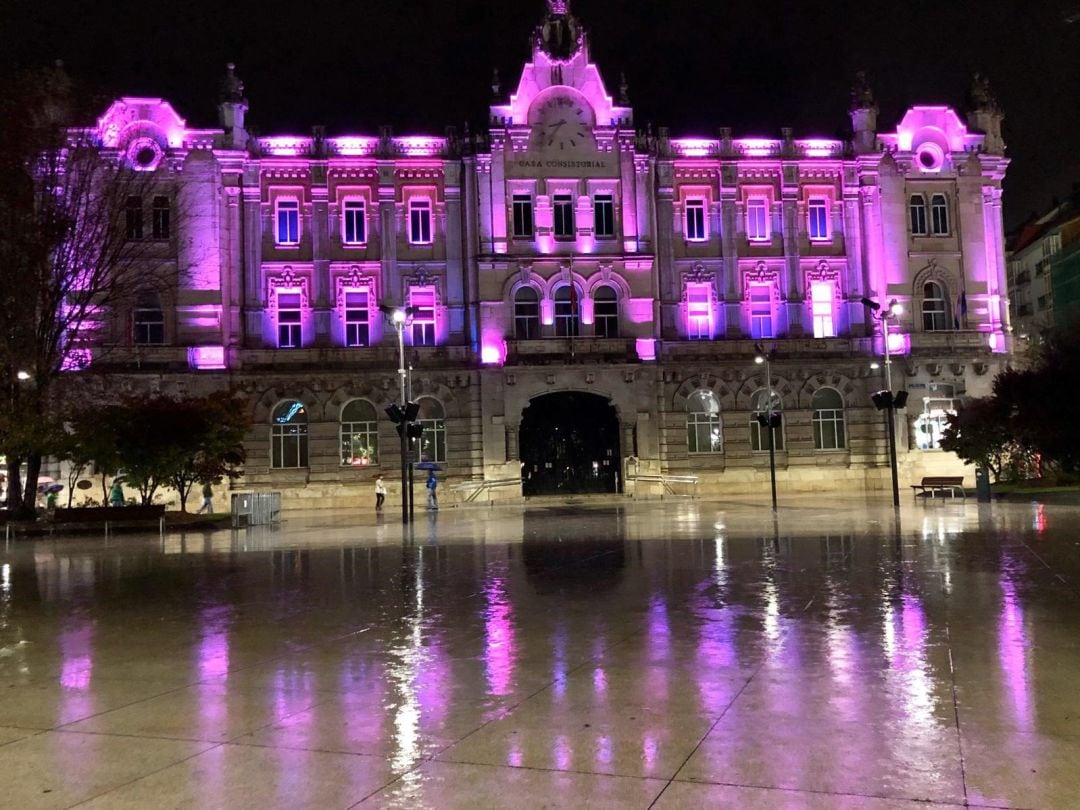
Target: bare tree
[{"x": 73, "y": 261}]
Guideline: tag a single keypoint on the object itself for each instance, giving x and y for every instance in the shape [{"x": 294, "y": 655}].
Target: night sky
[{"x": 692, "y": 65}]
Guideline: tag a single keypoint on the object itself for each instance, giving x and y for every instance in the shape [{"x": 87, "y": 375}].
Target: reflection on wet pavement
[{"x": 649, "y": 654}]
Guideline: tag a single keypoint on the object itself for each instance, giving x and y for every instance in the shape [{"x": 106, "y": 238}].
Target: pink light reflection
[
  {"x": 499, "y": 638},
  {"x": 1012, "y": 654}
]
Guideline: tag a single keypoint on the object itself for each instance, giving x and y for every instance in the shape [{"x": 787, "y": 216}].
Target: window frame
[
  {"x": 287, "y": 220},
  {"x": 818, "y": 306},
  {"x": 605, "y": 324},
  {"x": 350, "y": 207},
  {"x": 568, "y": 323},
  {"x": 820, "y": 206},
  {"x": 933, "y": 314},
  {"x": 523, "y": 220},
  {"x": 133, "y": 218},
  {"x": 833, "y": 417},
  {"x": 692, "y": 305},
  {"x": 757, "y": 317},
  {"x": 161, "y": 218},
  {"x": 759, "y": 442},
  {"x": 526, "y": 324},
  {"x": 434, "y": 431},
  {"x": 368, "y": 429},
  {"x": 562, "y": 217},
  {"x": 753, "y": 234},
  {"x": 281, "y": 436},
  {"x": 604, "y": 213},
  {"x": 707, "y": 419},
  {"x": 424, "y": 302},
  {"x": 147, "y": 325},
  {"x": 939, "y": 210},
  {"x": 353, "y": 327},
  {"x": 918, "y": 221},
  {"x": 421, "y": 221},
  {"x": 695, "y": 223},
  {"x": 291, "y": 327}
]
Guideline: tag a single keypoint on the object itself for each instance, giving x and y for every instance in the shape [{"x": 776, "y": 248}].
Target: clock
[{"x": 561, "y": 122}]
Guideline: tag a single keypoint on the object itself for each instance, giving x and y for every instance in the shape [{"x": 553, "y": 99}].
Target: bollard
[
  {"x": 106, "y": 530},
  {"x": 161, "y": 527}
]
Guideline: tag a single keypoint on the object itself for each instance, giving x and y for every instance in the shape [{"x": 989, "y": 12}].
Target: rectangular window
[
  {"x": 939, "y": 215},
  {"x": 757, "y": 220},
  {"x": 695, "y": 220},
  {"x": 818, "y": 224},
  {"x": 420, "y": 222},
  {"x": 564, "y": 216},
  {"x": 357, "y": 318},
  {"x": 699, "y": 311},
  {"x": 289, "y": 319},
  {"x": 161, "y": 218},
  {"x": 149, "y": 326},
  {"x": 523, "y": 216},
  {"x": 761, "y": 311},
  {"x": 422, "y": 300},
  {"x": 433, "y": 440},
  {"x": 604, "y": 215},
  {"x": 133, "y": 218},
  {"x": 526, "y": 315},
  {"x": 821, "y": 305},
  {"x": 917, "y": 212},
  {"x": 354, "y": 222},
  {"x": 288, "y": 222}
]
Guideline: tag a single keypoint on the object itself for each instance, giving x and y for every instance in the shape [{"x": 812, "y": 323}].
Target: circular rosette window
[
  {"x": 930, "y": 156},
  {"x": 144, "y": 154}
]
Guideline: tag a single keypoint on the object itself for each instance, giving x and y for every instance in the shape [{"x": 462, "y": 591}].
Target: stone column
[{"x": 320, "y": 255}]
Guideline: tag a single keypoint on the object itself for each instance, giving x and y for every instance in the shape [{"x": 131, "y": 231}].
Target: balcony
[
  {"x": 546, "y": 351},
  {"x": 950, "y": 342},
  {"x": 741, "y": 348}
]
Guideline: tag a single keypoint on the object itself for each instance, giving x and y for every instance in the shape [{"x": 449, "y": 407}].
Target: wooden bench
[{"x": 931, "y": 485}]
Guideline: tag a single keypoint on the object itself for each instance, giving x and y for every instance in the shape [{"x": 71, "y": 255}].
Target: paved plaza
[{"x": 594, "y": 654}]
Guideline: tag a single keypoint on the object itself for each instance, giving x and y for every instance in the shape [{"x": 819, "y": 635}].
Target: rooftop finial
[
  {"x": 624, "y": 91},
  {"x": 496, "y": 84},
  {"x": 862, "y": 95},
  {"x": 232, "y": 88},
  {"x": 560, "y": 7},
  {"x": 981, "y": 96},
  {"x": 560, "y": 35}
]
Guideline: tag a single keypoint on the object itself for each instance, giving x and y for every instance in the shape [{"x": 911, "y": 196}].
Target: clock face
[{"x": 562, "y": 122}]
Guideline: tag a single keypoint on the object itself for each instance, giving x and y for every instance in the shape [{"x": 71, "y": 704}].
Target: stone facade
[{"x": 566, "y": 250}]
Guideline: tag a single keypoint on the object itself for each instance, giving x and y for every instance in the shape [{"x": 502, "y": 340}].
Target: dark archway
[{"x": 569, "y": 444}]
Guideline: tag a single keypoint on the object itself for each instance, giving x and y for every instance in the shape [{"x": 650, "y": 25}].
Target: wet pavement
[{"x": 688, "y": 654}]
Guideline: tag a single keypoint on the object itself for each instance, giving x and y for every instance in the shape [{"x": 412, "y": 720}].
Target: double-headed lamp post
[
  {"x": 405, "y": 413},
  {"x": 770, "y": 419},
  {"x": 886, "y": 400}
]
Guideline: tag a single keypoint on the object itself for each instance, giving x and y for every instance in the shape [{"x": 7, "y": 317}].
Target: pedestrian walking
[
  {"x": 380, "y": 492},
  {"x": 432, "y": 498},
  {"x": 207, "y": 500},
  {"x": 116, "y": 494}
]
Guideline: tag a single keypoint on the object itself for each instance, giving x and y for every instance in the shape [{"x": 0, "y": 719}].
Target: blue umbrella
[{"x": 428, "y": 465}]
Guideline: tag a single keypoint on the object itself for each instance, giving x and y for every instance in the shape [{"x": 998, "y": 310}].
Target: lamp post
[
  {"x": 770, "y": 419},
  {"x": 886, "y": 400},
  {"x": 405, "y": 413}
]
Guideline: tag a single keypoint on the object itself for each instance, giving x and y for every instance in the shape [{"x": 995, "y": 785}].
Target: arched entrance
[{"x": 569, "y": 443}]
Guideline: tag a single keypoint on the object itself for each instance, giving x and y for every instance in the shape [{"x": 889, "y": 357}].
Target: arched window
[
  {"x": 433, "y": 440},
  {"x": 526, "y": 314},
  {"x": 703, "y": 428},
  {"x": 917, "y": 212},
  {"x": 359, "y": 434},
  {"x": 567, "y": 319},
  {"x": 759, "y": 436},
  {"x": 828, "y": 418},
  {"x": 935, "y": 308},
  {"x": 289, "y": 436},
  {"x": 605, "y": 312},
  {"x": 939, "y": 215}
]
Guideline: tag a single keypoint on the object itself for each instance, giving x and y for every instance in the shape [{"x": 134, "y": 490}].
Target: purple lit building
[{"x": 586, "y": 295}]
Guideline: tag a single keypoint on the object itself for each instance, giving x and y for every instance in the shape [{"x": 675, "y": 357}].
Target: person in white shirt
[{"x": 380, "y": 492}]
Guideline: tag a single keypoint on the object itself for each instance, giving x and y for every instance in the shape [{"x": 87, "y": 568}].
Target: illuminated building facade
[{"x": 586, "y": 297}]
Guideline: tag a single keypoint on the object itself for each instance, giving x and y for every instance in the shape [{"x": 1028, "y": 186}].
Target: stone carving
[
  {"x": 862, "y": 95},
  {"x": 981, "y": 96},
  {"x": 560, "y": 35},
  {"x": 232, "y": 88}
]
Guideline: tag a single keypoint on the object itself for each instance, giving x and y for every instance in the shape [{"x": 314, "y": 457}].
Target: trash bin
[{"x": 982, "y": 484}]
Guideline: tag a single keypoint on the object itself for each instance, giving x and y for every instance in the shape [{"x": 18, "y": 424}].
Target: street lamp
[
  {"x": 770, "y": 419},
  {"x": 886, "y": 400},
  {"x": 405, "y": 414},
  {"x": 22, "y": 376}
]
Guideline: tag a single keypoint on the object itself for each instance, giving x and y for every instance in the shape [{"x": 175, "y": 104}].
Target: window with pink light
[
  {"x": 760, "y": 297},
  {"x": 821, "y": 308},
  {"x": 694, "y": 225},
  {"x": 699, "y": 310},
  {"x": 354, "y": 222},
  {"x": 757, "y": 219},
  {"x": 422, "y": 301},
  {"x": 420, "y": 230},
  {"x": 287, "y": 222},
  {"x": 357, "y": 317},
  {"x": 817, "y": 216},
  {"x": 290, "y": 319}
]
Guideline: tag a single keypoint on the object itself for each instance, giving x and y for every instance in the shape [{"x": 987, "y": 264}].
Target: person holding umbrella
[{"x": 432, "y": 498}]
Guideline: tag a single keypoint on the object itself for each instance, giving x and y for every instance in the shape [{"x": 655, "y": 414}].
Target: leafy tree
[
  {"x": 216, "y": 450},
  {"x": 980, "y": 433},
  {"x": 68, "y": 269}
]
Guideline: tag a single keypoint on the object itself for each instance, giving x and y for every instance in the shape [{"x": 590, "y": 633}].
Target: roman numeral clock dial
[{"x": 562, "y": 123}]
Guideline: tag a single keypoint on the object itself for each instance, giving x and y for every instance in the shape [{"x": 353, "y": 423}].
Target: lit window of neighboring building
[
  {"x": 523, "y": 216},
  {"x": 432, "y": 418},
  {"x": 821, "y": 305},
  {"x": 935, "y": 310},
  {"x": 422, "y": 300},
  {"x": 526, "y": 314},
  {"x": 695, "y": 220},
  {"x": 759, "y": 436},
  {"x": 289, "y": 320},
  {"x": 699, "y": 307},
  {"x": 757, "y": 220},
  {"x": 604, "y": 215},
  {"x": 605, "y": 312},
  {"x": 357, "y": 318},
  {"x": 939, "y": 215},
  {"x": 567, "y": 318},
  {"x": 917, "y": 213},
  {"x": 354, "y": 222},
  {"x": 420, "y": 222},
  {"x": 564, "y": 216},
  {"x": 160, "y": 224},
  {"x": 289, "y": 436},
  {"x": 761, "y": 310},
  {"x": 288, "y": 222},
  {"x": 703, "y": 428},
  {"x": 359, "y": 434},
  {"x": 133, "y": 218},
  {"x": 148, "y": 327},
  {"x": 827, "y": 408},
  {"x": 818, "y": 224}
]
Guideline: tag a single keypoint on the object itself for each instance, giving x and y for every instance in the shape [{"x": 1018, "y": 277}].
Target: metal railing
[
  {"x": 475, "y": 488},
  {"x": 666, "y": 481}
]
